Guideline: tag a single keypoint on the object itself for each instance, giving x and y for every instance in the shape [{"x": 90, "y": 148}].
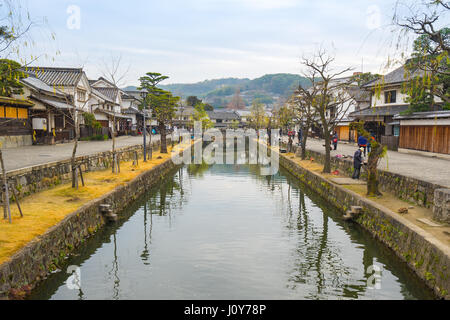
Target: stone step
[
  {"x": 356, "y": 210},
  {"x": 105, "y": 207},
  {"x": 112, "y": 217},
  {"x": 429, "y": 223}
]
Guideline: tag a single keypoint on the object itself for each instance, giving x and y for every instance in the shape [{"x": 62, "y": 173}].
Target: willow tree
[
  {"x": 429, "y": 73},
  {"x": 378, "y": 151},
  {"x": 428, "y": 69}
]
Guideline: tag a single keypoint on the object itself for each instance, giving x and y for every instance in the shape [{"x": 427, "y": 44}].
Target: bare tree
[
  {"x": 423, "y": 19},
  {"x": 237, "y": 103},
  {"x": 302, "y": 102},
  {"x": 331, "y": 101},
  {"x": 114, "y": 71},
  {"x": 75, "y": 115}
]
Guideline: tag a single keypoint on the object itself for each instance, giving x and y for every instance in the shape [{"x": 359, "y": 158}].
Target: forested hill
[{"x": 267, "y": 89}]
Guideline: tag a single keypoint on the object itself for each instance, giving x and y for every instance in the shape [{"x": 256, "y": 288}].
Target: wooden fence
[{"x": 426, "y": 138}]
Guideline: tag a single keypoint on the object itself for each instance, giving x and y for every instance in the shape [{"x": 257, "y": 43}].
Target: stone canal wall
[
  {"x": 423, "y": 253},
  {"x": 410, "y": 189},
  {"x": 34, "y": 179},
  {"x": 46, "y": 253}
]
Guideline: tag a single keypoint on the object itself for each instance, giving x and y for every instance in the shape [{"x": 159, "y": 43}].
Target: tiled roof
[
  {"x": 222, "y": 115},
  {"x": 41, "y": 86},
  {"x": 57, "y": 76},
  {"x": 359, "y": 95},
  {"x": 131, "y": 110},
  {"x": 397, "y": 76},
  {"x": 101, "y": 95},
  {"x": 15, "y": 102},
  {"x": 58, "y": 104},
  {"x": 380, "y": 111},
  {"x": 425, "y": 115},
  {"x": 111, "y": 93}
]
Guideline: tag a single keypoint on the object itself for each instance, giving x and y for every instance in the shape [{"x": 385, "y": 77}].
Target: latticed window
[{"x": 81, "y": 94}]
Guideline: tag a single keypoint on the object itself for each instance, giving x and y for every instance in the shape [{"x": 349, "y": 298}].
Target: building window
[
  {"x": 81, "y": 94},
  {"x": 397, "y": 131},
  {"x": 390, "y": 97}
]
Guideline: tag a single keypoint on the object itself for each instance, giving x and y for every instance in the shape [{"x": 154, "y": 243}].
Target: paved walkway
[
  {"x": 424, "y": 168},
  {"x": 420, "y": 167},
  {"x": 24, "y": 157}
]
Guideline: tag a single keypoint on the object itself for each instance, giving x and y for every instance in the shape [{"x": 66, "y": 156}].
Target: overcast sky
[{"x": 195, "y": 40}]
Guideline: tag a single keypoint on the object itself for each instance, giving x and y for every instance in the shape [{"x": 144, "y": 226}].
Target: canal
[{"x": 225, "y": 232}]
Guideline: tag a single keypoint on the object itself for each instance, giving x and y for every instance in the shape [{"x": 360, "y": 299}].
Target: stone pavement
[
  {"x": 424, "y": 168},
  {"x": 433, "y": 170},
  {"x": 29, "y": 156}
]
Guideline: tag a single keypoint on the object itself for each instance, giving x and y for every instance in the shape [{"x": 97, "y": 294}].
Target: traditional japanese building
[{"x": 15, "y": 125}]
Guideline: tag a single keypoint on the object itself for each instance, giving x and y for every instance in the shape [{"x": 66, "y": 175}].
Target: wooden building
[
  {"x": 425, "y": 131},
  {"x": 15, "y": 124}
]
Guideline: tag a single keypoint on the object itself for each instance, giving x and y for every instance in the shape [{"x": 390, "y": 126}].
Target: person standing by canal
[
  {"x": 335, "y": 140},
  {"x": 300, "y": 137},
  {"x": 357, "y": 163},
  {"x": 290, "y": 142},
  {"x": 362, "y": 143}
]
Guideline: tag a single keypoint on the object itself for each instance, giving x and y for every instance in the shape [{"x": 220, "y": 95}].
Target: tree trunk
[
  {"x": 372, "y": 169},
  {"x": 162, "y": 130},
  {"x": 113, "y": 135},
  {"x": 74, "y": 154},
  {"x": 327, "y": 165},
  {"x": 150, "y": 147},
  {"x": 305, "y": 140},
  {"x": 6, "y": 208}
]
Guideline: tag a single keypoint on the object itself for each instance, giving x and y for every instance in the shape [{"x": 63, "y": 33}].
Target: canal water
[{"x": 225, "y": 232}]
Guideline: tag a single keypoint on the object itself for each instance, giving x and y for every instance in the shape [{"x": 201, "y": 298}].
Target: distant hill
[{"x": 268, "y": 89}]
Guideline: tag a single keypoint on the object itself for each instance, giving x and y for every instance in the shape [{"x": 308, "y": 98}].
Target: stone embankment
[
  {"x": 28, "y": 181},
  {"x": 418, "y": 192},
  {"x": 45, "y": 254},
  {"x": 423, "y": 253}
]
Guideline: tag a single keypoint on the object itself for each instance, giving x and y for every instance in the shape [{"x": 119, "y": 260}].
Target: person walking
[
  {"x": 357, "y": 163},
  {"x": 335, "y": 140},
  {"x": 362, "y": 143},
  {"x": 300, "y": 137}
]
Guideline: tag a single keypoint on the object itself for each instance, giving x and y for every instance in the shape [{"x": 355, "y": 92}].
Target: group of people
[{"x": 364, "y": 148}]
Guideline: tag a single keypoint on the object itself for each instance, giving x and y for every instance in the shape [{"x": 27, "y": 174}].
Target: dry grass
[
  {"x": 388, "y": 200},
  {"x": 45, "y": 209}
]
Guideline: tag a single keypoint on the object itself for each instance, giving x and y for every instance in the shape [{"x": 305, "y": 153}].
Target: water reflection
[{"x": 225, "y": 232}]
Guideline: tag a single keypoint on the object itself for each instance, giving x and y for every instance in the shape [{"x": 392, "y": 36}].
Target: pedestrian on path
[
  {"x": 357, "y": 163},
  {"x": 362, "y": 143},
  {"x": 290, "y": 142},
  {"x": 300, "y": 137},
  {"x": 335, "y": 140}
]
